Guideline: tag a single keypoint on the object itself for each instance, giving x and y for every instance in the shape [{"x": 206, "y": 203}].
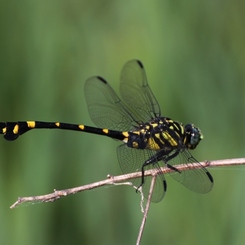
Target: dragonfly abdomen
[{"x": 12, "y": 130}]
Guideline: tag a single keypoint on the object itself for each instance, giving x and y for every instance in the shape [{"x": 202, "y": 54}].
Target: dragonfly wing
[
  {"x": 105, "y": 107},
  {"x": 136, "y": 92},
  {"x": 196, "y": 179},
  {"x": 131, "y": 160}
]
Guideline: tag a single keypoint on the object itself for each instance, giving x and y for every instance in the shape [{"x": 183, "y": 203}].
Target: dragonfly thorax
[{"x": 159, "y": 133}]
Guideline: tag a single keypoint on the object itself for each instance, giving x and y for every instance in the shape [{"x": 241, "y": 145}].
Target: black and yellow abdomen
[{"x": 12, "y": 130}]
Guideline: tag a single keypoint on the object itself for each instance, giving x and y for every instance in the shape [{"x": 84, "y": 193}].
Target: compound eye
[{"x": 193, "y": 136}]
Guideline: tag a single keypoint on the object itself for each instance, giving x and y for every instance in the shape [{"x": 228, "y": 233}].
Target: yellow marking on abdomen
[
  {"x": 57, "y": 124},
  {"x": 4, "y": 130},
  {"x": 16, "y": 129},
  {"x": 125, "y": 134},
  {"x": 125, "y": 140},
  {"x": 31, "y": 124},
  {"x": 81, "y": 127},
  {"x": 106, "y": 131}
]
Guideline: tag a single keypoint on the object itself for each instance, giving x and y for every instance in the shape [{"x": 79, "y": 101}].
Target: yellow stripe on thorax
[
  {"x": 153, "y": 145},
  {"x": 170, "y": 139}
]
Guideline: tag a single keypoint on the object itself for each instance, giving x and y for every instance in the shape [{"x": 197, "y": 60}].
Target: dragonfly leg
[
  {"x": 160, "y": 155},
  {"x": 172, "y": 167},
  {"x": 151, "y": 160}
]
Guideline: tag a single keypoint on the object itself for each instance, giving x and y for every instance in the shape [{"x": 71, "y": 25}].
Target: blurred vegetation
[{"x": 194, "y": 56}]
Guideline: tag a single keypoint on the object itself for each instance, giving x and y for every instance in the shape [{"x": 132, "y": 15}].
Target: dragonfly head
[{"x": 193, "y": 136}]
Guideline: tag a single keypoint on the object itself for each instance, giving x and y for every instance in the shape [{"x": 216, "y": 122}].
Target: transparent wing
[
  {"x": 131, "y": 160},
  {"x": 105, "y": 108},
  {"x": 197, "y": 180},
  {"x": 136, "y": 92}
]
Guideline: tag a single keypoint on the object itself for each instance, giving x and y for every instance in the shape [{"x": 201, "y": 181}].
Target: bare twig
[
  {"x": 57, "y": 194},
  {"x": 147, "y": 207}
]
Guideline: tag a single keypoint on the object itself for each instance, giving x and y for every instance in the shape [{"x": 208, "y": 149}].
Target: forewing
[
  {"x": 105, "y": 108},
  {"x": 136, "y": 93}
]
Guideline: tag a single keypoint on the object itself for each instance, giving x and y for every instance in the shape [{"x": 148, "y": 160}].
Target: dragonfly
[{"x": 149, "y": 140}]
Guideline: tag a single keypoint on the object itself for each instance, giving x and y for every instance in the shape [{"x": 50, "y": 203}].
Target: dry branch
[{"x": 57, "y": 194}]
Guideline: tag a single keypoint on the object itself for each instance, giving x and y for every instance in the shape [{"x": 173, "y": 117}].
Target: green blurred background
[{"x": 194, "y": 55}]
